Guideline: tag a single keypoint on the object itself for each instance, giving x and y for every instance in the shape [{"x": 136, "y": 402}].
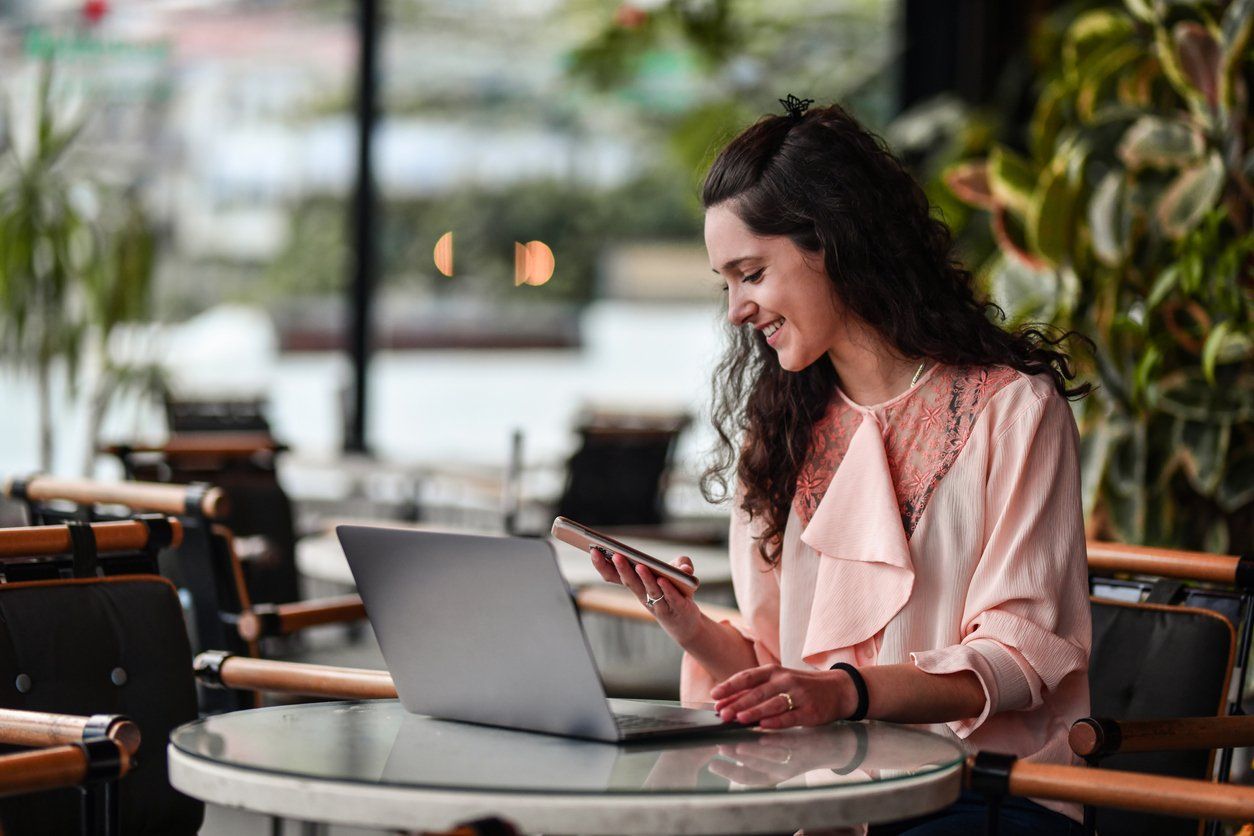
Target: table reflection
[{"x": 381, "y": 743}]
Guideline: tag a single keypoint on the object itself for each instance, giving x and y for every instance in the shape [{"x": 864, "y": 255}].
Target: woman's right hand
[{"x": 675, "y": 611}]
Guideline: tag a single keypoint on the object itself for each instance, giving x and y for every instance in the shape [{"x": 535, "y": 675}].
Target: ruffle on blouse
[{"x": 865, "y": 573}]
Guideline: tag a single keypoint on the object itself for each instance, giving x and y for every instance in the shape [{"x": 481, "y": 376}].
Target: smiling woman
[{"x": 907, "y": 539}]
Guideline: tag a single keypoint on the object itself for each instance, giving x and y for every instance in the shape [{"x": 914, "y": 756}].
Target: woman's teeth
[{"x": 773, "y": 327}]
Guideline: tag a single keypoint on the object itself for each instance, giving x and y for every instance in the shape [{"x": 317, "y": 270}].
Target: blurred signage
[
  {"x": 116, "y": 68},
  {"x": 43, "y": 43}
]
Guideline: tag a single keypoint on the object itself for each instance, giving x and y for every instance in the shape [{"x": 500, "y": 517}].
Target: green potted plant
[
  {"x": 75, "y": 262},
  {"x": 1129, "y": 219}
]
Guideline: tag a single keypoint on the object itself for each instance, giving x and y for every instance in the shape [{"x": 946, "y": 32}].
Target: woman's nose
[{"x": 740, "y": 308}]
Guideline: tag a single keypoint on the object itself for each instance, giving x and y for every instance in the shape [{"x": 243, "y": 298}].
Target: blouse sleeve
[
  {"x": 1026, "y": 622},
  {"x": 757, "y": 595}
]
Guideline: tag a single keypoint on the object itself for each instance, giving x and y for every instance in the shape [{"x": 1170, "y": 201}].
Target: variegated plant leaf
[
  {"x": 1200, "y": 58},
  {"x": 1011, "y": 179},
  {"x": 1237, "y": 27},
  {"x": 1095, "y": 444},
  {"x": 1162, "y": 287},
  {"x": 1024, "y": 291},
  {"x": 1236, "y": 489},
  {"x": 1011, "y": 239},
  {"x": 1125, "y": 483},
  {"x": 1106, "y": 221},
  {"x": 1049, "y": 226},
  {"x": 1224, "y": 344},
  {"x": 969, "y": 183},
  {"x": 1142, "y": 9},
  {"x": 1169, "y": 59},
  {"x": 1203, "y": 446},
  {"x": 1190, "y": 196},
  {"x": 1156, "y": 142},
  {"x": 1090, "y": 32},
  {"x": 1047, "y": 119},
  {"x": 1098, "y": 82}
]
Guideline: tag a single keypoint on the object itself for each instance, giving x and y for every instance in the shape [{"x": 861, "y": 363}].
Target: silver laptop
[{"x": 484, "y": 630}]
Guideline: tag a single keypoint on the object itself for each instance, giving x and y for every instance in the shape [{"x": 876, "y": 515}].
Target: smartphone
[{"x": 584, "y": 538}]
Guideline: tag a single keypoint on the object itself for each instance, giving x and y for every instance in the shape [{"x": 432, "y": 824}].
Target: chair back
[
  {"x": 87, "y": 644},
  {"x": 1170, "y": 656},
  {"x": 618, "y": 474},
  {"x": 205, "y": 563},
  {"x": 241, "y": 463}
]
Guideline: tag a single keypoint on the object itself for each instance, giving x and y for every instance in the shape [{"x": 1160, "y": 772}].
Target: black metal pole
[{"x": 361, "y": 291}]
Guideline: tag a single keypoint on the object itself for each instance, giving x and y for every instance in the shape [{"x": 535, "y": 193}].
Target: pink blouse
[{"x": 943, "y": 527}]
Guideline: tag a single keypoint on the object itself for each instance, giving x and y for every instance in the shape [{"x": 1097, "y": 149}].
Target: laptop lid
[{"x": 480, "y": 629}]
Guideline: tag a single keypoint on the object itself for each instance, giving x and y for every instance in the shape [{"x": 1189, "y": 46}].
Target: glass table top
[{"x": 378, "y": 742}]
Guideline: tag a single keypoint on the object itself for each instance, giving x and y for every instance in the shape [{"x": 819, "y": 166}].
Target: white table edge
[{"x": 385, "y": 806}]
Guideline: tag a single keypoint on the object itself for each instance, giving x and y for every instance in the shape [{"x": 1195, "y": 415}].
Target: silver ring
[
  {"x": 788, "y": 697},
  {"x": 649, "y": 600}
]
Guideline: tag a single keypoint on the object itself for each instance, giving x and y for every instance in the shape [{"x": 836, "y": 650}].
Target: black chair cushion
[
  {"x": 617, "y": 478},
  {"x": 1155, "y": 661},
  {"x": 103, "y": 646}
]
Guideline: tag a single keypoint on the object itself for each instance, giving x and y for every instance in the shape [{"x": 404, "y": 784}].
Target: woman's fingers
[
  {"x": 684, "y": 563},
  {"x": 650, "y": 582},
  {"x": 674, "y": 595},
  {"x": 628, "y": 577},
  {"x": 740, "y": 705},
  {"x": 743, "y": 681},
  {"x": 761, "y": 708},
  {"x": 604, "y": 568}
]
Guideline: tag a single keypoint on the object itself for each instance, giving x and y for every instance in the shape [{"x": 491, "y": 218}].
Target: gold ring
[{"x": 788, "y": 697}]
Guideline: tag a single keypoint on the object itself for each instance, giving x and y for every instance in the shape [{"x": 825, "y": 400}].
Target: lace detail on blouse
[{"x": 923, "y": 435}]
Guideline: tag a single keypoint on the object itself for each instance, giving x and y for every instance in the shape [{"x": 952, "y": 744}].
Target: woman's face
[{"x": 775, "y": 287}]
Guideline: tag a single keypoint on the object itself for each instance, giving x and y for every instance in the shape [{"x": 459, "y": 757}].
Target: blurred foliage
[
  {"x": 76, "y": 260},
  {"x": 1127, "y": 216},
  {"x": 739, "y": 58},
  {"x": 676, "y": 80},
  {"x": 576, "y": 221},
  {"x": 634, "y": 37}
]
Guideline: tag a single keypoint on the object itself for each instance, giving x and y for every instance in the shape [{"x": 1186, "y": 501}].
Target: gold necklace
[{"x": 917, "y": 372}]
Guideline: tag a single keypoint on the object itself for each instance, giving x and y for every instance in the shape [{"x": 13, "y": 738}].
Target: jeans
[{"x": 967, "y": 816}]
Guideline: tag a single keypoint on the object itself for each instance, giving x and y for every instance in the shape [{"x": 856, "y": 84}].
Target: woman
[{"x": 907, "y": 539}]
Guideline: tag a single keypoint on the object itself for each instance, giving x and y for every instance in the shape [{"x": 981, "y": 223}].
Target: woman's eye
[{"x": 753, "y": 277}]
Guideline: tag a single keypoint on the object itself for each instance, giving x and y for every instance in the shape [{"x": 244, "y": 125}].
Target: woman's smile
[{"x": 775, "y": 288}]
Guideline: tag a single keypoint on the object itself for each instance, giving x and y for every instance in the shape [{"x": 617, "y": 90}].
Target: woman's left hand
[{"x": 763, "y": 694}]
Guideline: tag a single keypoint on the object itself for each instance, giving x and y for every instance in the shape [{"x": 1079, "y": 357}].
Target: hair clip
[{"x": 796, "y": 107}]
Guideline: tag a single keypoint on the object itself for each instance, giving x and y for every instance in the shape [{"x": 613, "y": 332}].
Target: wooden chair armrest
[
  {"x": 139, "y": 496},
  {"x": 619, "y": 602},
  {"x": 32, "y": 540},
  {"x": 1154, "y": 794},
  {"x": 265, "y": 620},
  {"x": 1095, "y": 737},
  {"x": 219, "y": 668},
  {"x": 58, "y": 766},
  {"x": 1168, "y": 563},
  {"x": 39, "y": 728}
]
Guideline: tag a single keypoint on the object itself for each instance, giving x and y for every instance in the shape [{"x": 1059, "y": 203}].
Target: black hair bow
[{"x": 796, "y": 107}]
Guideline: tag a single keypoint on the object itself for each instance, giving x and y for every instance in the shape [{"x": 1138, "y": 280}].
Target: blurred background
[{"x": 192, "y": 239}]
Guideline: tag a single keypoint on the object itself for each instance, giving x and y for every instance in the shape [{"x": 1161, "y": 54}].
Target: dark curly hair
[{"x": 833, "y": 188}]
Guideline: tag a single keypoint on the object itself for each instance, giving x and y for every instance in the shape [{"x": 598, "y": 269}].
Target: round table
[{"x": 371, "y": 764}]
